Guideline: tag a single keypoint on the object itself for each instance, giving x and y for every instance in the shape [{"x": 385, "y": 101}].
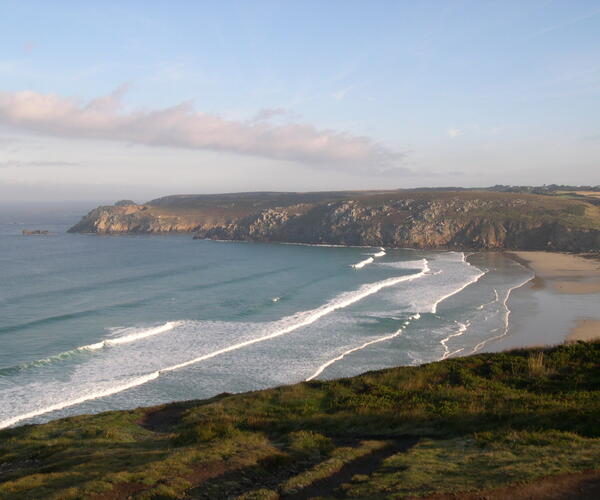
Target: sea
[{"x": 92, "y": 323}]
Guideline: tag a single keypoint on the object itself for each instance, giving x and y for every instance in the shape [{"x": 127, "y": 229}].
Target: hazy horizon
[{"x": 140, "y": 100}]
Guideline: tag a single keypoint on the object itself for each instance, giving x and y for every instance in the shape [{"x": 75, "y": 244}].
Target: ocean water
[{"x": 91, "y": 323}]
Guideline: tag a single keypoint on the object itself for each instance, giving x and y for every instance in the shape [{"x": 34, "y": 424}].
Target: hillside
[
  {"x": 527, "y": 418},
  {"x": 458, "y": 219}
]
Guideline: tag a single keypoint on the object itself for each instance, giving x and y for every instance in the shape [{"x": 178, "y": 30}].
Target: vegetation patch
[
  {"x": 479, "y": 422},
  {"x": 478, "y": 462}
]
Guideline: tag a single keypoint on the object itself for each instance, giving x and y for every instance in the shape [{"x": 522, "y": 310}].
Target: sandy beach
[
  {"x": 566, "y": 274},
  {"x": 586, "y": 329}
]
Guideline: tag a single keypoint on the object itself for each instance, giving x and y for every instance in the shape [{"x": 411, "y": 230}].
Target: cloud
[
  {"x": 268, "y": 113},
  {"x": 181, "y": 126},
  {"x": 21, "y": 164},
  {"x": 454, "y": 132}
]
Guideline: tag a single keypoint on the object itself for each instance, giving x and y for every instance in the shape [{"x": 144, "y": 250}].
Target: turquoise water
[{"x": 90, "y": 323}]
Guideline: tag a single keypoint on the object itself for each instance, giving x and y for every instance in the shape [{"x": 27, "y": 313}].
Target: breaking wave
[
  {"x": 285, "y": 326},
  {"x": 135, "y": 334}
]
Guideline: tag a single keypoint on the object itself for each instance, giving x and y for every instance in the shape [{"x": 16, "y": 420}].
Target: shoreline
[{"x": 569, "y": 276}]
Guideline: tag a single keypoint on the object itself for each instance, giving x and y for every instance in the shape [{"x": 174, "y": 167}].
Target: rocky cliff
[{"x": 417, "y": 219}]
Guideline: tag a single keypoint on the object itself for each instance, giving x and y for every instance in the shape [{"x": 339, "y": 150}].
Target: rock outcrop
[
  {"x": 33, "y": 232},
  {"x": 416, "y": 219},
  {"x": 133, "y": 219}
]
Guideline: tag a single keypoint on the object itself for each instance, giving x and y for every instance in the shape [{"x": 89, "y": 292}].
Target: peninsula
[{"x": 419, "y": 218}]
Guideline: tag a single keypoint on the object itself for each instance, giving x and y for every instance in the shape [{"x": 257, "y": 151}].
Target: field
[{"x": 464, "y": 424}]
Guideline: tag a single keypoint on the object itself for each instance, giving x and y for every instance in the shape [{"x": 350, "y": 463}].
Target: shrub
[{"x": 535, "y": 364}]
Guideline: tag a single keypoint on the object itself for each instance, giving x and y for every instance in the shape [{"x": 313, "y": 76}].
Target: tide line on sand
[
  {"x": 506, "y": 316},
  {"x": 462, "y": 328}
]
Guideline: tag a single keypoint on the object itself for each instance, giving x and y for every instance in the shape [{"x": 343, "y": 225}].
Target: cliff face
[
  {"x": 421, "y": 220},
  {"x": 142, "y": 219}
]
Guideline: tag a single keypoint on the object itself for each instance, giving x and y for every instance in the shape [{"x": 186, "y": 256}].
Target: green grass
[
  {"x": 483, "y": 461},
  {"x": 482, "y": 421}
]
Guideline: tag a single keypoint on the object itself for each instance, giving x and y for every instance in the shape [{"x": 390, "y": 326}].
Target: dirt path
[
  {"x": 163, "y": 419},
  {"x": 328, "y": 487}
]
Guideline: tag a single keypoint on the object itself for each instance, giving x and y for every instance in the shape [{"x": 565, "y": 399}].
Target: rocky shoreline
[{"x": 431, "y": 219}]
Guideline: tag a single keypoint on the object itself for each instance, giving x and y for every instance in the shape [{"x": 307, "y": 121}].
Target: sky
[{"x": 139, "y": 99}]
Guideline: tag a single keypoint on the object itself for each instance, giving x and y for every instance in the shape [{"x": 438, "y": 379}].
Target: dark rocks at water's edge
[
  {"x": 416, "y": 219},
  {"x": 28, "y": 232}
]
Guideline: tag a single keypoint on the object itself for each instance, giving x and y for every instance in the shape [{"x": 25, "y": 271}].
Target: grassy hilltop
[{"x": 464, "y": 424}]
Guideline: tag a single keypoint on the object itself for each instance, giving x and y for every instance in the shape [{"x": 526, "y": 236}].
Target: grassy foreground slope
[{"x": 457, "y": 425}]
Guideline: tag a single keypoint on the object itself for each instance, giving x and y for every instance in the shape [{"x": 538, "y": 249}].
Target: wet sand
[
  {"x": 586, "y": 329},
  {"x": 567, "y": 275}
]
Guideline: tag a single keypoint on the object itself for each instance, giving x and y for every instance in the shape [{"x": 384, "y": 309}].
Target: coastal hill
[
  {"x": 518, "y": 425},
  {"x": 420, "y": 218}
]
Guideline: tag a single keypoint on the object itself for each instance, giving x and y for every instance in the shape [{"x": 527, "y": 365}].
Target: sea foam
[
  {"x": 363, "y": 263},
  {"x": 285, "y": 326},
  {"x": 126, "y": 335},
  {"x": 132, "y": 337},
  {"x": 369, "y": 260},
  {"x": 391, "y": 336}
]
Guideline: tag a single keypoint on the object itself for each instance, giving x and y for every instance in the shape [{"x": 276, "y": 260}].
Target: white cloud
[
  {"x": 454, "y": 132},
  {"x": 181, "y": 126},
  {"x": 268, "y": 113}
]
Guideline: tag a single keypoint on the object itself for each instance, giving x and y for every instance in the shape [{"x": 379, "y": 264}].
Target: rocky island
[
  {"x": 32, "y": 232},
  {"x": 420, "y": 218}
]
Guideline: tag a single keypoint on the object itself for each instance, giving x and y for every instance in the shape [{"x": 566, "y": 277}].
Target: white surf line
[
  {"x": 333, "y": 305},
  {"x": 354, "y": 349},
  {"x": 100, "y": 394},
  {"x": 462, "y": 329},
  {"x": 483, "y": 306},
  {"x": 369, "y": 260},
  {"x": 316, "y": 314},
  {"x": 381, "y": 252},
  {"x": 474, "y": 280},
  {"x": 363, "y": 263},
  {"x": 506, "y": 316},
  {"x": 132, "y": 337}
]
